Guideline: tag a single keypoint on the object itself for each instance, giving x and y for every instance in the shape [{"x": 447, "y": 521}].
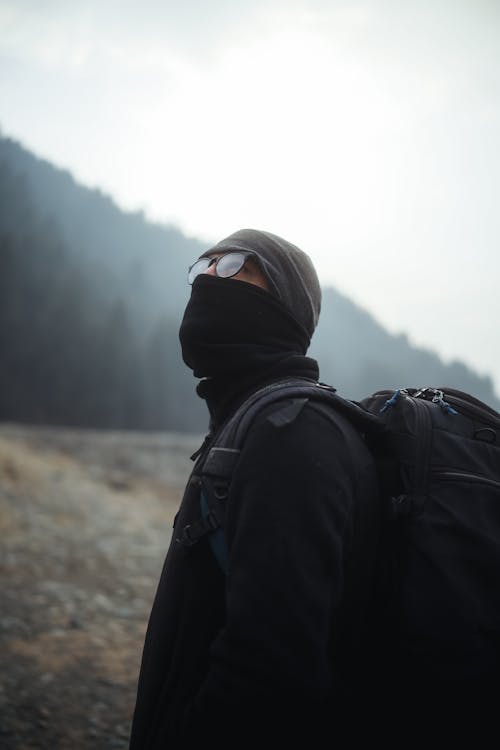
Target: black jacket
[{"x": 276, "y": 649}]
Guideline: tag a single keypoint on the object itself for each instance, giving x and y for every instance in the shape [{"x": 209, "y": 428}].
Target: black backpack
[{"x": 438, "y": 455}]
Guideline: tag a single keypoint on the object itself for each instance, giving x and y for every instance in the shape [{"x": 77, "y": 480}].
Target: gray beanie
[{"x": 289, "y": 271}]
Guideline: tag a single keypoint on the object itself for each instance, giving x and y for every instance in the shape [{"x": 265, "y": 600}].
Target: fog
[{"x": 365, "y": 132}]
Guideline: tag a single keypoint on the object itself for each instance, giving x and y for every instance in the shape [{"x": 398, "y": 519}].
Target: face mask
[{"x": 232, "y": 327}]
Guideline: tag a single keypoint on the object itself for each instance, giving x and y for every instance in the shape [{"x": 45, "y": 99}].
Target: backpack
[{"x": 437, "y": 451}]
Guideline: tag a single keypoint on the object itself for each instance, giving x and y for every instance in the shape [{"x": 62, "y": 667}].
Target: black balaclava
[
  {"x": 230, "y": 327},
  {"x": 235, "y": 334}
]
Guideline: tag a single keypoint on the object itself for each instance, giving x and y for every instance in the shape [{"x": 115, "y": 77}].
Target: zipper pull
[
  {"x": 202, "y": 447},
  {"x": 436, "y": 397},
  {"x": 445, "y": 406},
  {"x": 392, "y": 400}
]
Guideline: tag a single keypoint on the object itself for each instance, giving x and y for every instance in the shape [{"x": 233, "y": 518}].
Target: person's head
[
  {"x": 272, "y": 263},
  {"x": 255, "y": 298}
]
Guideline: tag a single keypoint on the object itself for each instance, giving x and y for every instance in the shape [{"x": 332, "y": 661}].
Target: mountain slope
[
  {"x": 91, "y": 298},
  {"x": 359, "y": 356}
]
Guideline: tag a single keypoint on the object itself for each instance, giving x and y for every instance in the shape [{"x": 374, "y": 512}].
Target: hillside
[
  {"x": 91, "y": 298},
  {"x": 86, "y": 518}
]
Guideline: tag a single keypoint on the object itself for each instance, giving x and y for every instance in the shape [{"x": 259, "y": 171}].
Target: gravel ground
[{"x": 85, "y": 519}]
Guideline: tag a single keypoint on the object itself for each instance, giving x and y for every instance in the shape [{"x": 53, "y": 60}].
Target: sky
[{"x": 366, "y": 132}]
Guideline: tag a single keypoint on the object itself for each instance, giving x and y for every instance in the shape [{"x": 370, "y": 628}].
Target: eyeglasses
[{"x": 226, "y": 265}]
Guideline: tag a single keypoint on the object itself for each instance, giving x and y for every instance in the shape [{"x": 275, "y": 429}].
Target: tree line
[{"x": 70, "y": 354}]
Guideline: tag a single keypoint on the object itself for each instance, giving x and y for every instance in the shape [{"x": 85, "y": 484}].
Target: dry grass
[{"x": 86, "y": 520}]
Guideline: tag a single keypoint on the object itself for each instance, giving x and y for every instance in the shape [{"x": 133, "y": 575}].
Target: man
[{"x": 272, "y": 651}]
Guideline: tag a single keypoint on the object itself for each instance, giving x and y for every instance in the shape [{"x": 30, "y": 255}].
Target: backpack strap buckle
[{"x": 193, "y": 532}]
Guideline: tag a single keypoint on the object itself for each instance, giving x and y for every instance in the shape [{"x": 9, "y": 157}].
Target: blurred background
[{"x": 133, "y": 136}]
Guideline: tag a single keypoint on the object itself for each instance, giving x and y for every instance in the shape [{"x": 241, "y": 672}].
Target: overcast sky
[{"x": 367, "y": 133}]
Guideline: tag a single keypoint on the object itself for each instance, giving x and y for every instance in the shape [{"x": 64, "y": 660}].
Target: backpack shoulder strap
[
  {"x": 299, "y": 391},
  {"x": 289, "y": 396}
]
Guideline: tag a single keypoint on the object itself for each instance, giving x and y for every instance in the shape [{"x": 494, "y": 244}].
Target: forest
[{"x": 91, "y": 298}]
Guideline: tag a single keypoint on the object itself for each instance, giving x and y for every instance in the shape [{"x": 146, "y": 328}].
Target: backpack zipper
[
  {"x": 472, "y": 409},
  {"x": 464, "y": 476},
  {"x": 424, "y": 430},
  {"x": 420, "y": 482}
]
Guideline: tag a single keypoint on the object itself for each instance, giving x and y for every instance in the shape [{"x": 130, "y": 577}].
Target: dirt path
[{"x": 85, "y": 520}]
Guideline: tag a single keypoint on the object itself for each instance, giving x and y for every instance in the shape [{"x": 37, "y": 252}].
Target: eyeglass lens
[{"x": 225, "y": 266}]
